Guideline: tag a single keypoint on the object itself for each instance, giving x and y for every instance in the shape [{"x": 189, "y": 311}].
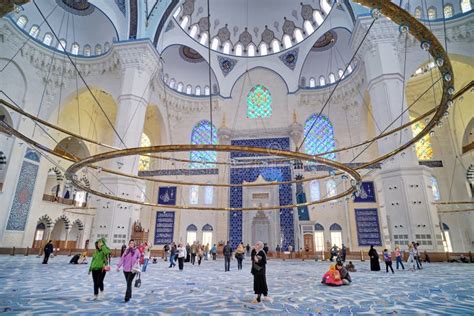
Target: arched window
[
  {"x": 98, "y": 49},
  {"x": 332, "y": 78},
  {"x": 197, "y": 91},
  {"x": 448, "y": 11},
  {"x": 312, "y": 82},
  {"x": 322, "y": 81},
  {"x": 251, "y": 50},
  {"x": 208, "y": 195},
  {"x": 340, "y": 73},
  {"x": 418, "y": 13},
  {"x": 349, "y": 68},
  {"x": 203, "y": 39},
  {"x": 435, "y": 189},
  {"x": 287, "y": 41},
  {"x": 166, "y": 78},
  {"x": 275, "y": 46},
  {"x": 318, "y": 17},
  {"x": 331, "y": 188},
  {"x": 207, "y": 90},
  {"x": 259, "y": 102},
  {"x": 214, "y": 43},
  {"x": 207, "y": 235},
  {"x": 87, "y": 50},
  {"x": 318, "y": 237},
  {"x": 191, "y": 234},
  {"x": 447, "y": 238},
  {"x": 320, "y": 136},
  {"x": 189, "y": 89},
  {"x": 193, "y": 194},
  {"x": 106, "y": 46},
  {"x": 47, "y": 39},
  {"x": 194, "y": 30},
  {"x": 263, "y": 49},
  {"x": 180, "y": 87},
  {"x": 303, "y": 81},
  {"x": 466, "y": 6},
  {"x": 21, "y": 22},
  {"x": 203, "y": 133},
  {"x": 172, "y": 83},
  {"x": 336, "y": 235},
  {"x": 62, "y": 45},
  {"x": 325, "y": 6},
  {"x": 423, "y": 147},
  {"x": 226, "y": 48},
  {"x": 144, "y": 161},
  {"x": 238, "y": 49},
  {"x": 75, "y": 49},
  {"x": 308, "y": 27},
  {"x": 34, "y": 31},
  {"x": 432, "y": 13},
  {"x": 184, "y": 22},
  {"x": 298, "y": 34},
  {"x": 314, "y": 190},
  {"x": 177, "y": 12}
]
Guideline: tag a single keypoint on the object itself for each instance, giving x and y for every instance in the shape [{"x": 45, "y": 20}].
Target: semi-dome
[{"x": 81, "y": 27}]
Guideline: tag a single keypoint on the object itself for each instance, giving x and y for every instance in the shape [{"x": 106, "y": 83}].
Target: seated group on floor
[{"x": 338, "y": 275}]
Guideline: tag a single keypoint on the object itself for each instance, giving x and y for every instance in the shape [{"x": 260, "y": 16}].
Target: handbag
[
  {"x": 138, "y": 282},
  {"x": 256, "y": 267}
]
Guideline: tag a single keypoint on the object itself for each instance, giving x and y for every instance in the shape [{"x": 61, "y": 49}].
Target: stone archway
[
  {"x": 59, "y": 233},
  {"x": 42, "y": 232},
  {"x": 74, "y": 240}
]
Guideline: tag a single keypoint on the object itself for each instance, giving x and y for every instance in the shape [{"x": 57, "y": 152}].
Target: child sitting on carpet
[
  {"x": 350, "y": 267},
  {"x": 332, "y": 277}
]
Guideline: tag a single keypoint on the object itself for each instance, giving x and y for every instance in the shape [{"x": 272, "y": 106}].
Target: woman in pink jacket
[{"x": 129, "y": 260}]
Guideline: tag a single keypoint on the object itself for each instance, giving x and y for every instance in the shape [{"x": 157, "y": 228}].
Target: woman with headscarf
[
  {"x": 100, "y": 260},
  {"x": 130, "y": 261},
  {"x": 259, "y": 262},
  {"x": 374, "y": 259}
]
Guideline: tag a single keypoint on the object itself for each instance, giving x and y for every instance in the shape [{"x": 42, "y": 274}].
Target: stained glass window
[
  {"x": 466, "y": 6},
  {"x": 424, "y": 150},
  {"x": 320, "y": 137},
  {"x": 432, "y": 13},
  {"x": 144, "y": 161},
  {"x": 194, "y": 195},
  {"x": 448, "y": 11},
  {"x": 259, "y": 102},
  {"x": 202, "y": 135},
  {"x": 208, "y": 195}
]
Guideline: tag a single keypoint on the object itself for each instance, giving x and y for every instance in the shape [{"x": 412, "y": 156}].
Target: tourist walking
[
  {"x": 206, "y": 252},
  {"x": 228, "y": 255},
  {"x": 193, "y": 252},
  {"x": 166, "y": 250},
  {"x": 334, "y": 252},
  {"x": 124, "y": 247},
  {"x": 387, "y": 257},
  {"x": 374, "y": 259},
  {"x": 188, "y": 253},
  {"x": 146, "y": 256},
  {"x": 343, "y": 253},
  {"x": 239, "y": 255},
  {"x": 130, "y": 262},
  {"x": 172, "y": 255},
  {"x": 259, "y": 262},
  {"x": 181, "y": 256},
  {"x": 214, "y": 252},
  {"x": 416, "y": 247},
  {"x": 398, "y": 257},
  {"x": 98, "y": 267},
  {"x": 247, "y": 248},
  {"x": 411, "y": 257},
  {"x": 48, "y": 250},
  {"x": 200, "y": 254}
]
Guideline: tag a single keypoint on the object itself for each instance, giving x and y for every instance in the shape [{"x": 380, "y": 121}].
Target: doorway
[{"x": 308, "y": 243}]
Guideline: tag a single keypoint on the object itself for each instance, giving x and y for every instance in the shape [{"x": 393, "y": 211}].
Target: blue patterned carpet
[{"x": 27, "y": 286}]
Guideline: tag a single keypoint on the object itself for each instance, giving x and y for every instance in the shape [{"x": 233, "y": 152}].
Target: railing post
[
  {"x": 27, "y": 252},
  {"x": 13, "y": 251}
]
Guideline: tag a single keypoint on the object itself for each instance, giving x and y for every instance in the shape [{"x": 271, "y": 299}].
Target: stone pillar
[
  {"x": 224, "y": 135},
  {"x": 404, "y": 187},
  {"x": 139, "y": 63}
]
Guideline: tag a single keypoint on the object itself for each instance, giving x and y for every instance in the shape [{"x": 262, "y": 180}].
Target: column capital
[{"x": 139, "y": 55}]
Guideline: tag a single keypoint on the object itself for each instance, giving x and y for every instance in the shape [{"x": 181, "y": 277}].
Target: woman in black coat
[
  {"x": 259, "y": 261},
  {"x": 374, "y": 259}
]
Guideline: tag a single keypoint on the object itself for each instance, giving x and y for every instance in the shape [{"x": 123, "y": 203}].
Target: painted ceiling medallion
[
  {"x": 190, "y": 55},
  {"x": 326, "y": 41},
  {"x": 290, "y": 58},
  {"x": 226, "y": 64}
]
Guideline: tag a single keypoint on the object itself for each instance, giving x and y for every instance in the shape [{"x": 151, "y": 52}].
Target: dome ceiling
[
  {"x": 251, "y": 28},
  {"x": 85, "y": 29}
]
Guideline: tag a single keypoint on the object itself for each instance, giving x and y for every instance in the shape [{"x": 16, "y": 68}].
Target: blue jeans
[
  {"x": 145, "y": 264},
  {"x": 172, "y": 264},
  {"x": 399, "y": 261}
]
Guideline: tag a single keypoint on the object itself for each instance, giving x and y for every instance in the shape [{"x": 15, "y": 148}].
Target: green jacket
[{"x": 100, "y": 258}]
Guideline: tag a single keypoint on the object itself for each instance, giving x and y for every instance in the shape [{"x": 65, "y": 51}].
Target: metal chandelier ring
[{"x": 87, "y": 162}]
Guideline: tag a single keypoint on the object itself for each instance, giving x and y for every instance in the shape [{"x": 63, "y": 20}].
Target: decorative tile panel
[
  {"x": 367, "y": 194},
  {"x": 121, "y": 5},
  {"x": 282, "y": 143},
  {"x": 368, "y": 228},
  {"x": 226, "y": 64},
  {"x": 23, "y": 195},
  {"x": 167, "y": 195},
  {"x": 290, "y": 58},
  {"x": 164, "y": 227}
]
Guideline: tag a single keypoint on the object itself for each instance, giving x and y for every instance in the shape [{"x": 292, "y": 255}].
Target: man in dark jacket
[
  {"x": 48, "y": 250},
  {"x": 227, "y": 256}
]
